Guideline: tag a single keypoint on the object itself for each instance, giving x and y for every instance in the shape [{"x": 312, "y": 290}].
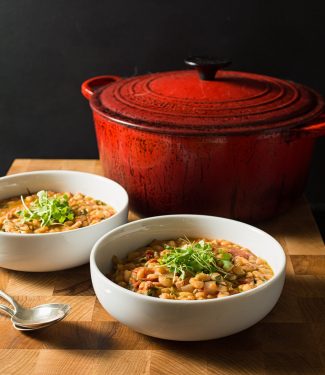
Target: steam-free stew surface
[
  {"x": 48, "y": 212},
  {"x": 196, "y": 269}
]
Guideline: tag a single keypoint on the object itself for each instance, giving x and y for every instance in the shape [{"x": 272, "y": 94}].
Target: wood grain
[{"x": 290, "y": 340}]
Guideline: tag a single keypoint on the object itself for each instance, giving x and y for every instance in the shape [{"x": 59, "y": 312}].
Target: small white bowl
[
  {"x": 62, "y": 250},
  {"x": 186, "y": 320}
]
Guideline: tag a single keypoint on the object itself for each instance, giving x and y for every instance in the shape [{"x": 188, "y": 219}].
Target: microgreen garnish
[
  {"x": 193, "y": 258},
  {"x": 225, "y": 259},
  {"x": 47, "y": 210}
]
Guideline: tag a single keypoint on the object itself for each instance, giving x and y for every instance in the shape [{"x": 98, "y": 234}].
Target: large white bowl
[
  {"x": 62, "y": 250},
  {"x": 186, "y": 320}
]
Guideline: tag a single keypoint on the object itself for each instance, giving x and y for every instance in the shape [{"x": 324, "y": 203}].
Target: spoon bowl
[
  {"x": 22, "y": 327},
  {"x": 41, "y": 314},
  {"x": 36, "y": 317}
]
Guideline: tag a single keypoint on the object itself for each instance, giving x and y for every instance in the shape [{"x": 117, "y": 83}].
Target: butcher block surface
[{"x": 290, "y": 340}]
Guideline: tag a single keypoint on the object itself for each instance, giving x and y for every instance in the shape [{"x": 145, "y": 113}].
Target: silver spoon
[
  {"x": 23, "y": 325},
  {"x": 35, "y": 317},
  {"x": 20, "y": 327}
]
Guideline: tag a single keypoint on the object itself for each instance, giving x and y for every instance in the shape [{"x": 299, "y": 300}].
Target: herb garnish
[
  {"x": 47, "y": 210},
  {"x": 193, "y": 258}
]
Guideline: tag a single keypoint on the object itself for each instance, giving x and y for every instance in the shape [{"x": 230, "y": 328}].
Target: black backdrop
[{"x": 48, "y": 47}]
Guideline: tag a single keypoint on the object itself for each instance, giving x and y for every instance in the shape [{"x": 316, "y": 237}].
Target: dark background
[{"x": 47, "y": 48}]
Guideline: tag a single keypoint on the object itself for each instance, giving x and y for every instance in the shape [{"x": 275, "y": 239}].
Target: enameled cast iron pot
[{"x": 225, "y": 143}]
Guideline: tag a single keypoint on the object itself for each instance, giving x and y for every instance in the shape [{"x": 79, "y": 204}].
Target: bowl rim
[
  {"x": 67, "y": 172},
  {"x": 245, "y": 294}
]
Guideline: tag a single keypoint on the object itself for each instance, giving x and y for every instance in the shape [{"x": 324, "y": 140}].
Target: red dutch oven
[{"x": 209, "y": 141}]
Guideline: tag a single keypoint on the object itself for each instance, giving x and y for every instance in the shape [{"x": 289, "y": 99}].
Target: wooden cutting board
[{"x": 290, "y": 340}]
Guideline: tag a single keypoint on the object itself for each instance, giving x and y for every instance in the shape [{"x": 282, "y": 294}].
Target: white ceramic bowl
[
  {"x": 62, "y": 250},
  {"x": 186, "y": 320}
]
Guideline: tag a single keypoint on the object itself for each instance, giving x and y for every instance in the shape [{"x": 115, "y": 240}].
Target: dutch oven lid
[{"x": 208, "y": 102}]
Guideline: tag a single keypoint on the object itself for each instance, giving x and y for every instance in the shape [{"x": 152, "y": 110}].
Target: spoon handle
[
  {"x": 10, "y": 300},
  {"x": 7, "y": 310}
]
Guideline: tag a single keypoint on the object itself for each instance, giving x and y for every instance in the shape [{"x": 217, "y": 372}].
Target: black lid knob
[{"x": 207, "y": 66}]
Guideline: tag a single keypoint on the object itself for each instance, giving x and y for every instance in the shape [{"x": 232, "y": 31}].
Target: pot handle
[
  {"x": 207, "y": 67},
  {"x": 89, "y": 87},
  {"x": 311, "y": 130}
]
